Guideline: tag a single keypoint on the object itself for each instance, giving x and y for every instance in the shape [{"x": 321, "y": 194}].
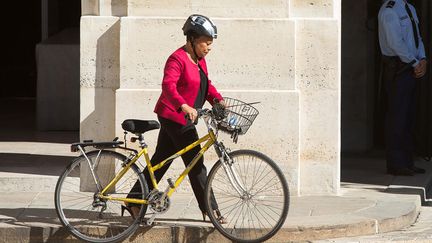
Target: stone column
[
  {"x": 100, "y": 55},
  {"x": 282, "y": 53},
  {"x": 318, "y": 81}
]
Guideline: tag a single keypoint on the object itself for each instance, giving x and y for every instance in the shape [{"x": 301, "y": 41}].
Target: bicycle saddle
[{"x": 139, "y": 126}]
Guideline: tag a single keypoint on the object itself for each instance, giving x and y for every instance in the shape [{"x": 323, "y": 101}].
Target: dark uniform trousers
[
  {"x": 400, "y": 85},
  {"x": 172, "y": 138}
]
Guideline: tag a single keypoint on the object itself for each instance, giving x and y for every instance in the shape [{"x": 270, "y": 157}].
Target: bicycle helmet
[{"x": 201, "y": 25}]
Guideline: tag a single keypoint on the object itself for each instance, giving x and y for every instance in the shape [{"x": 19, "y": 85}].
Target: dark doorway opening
[
  {"x": 21, "y": 34},
  {"x": 363, "y": 98},
  {"x": 424, "y": 112},
  {"x": 26, "y": 25}
]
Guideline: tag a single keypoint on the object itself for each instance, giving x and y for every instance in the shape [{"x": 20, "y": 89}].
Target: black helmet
[{"x": 201, "y": 25}]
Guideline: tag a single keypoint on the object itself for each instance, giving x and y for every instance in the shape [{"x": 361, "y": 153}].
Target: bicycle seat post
[{"x": 141, "y": 141}]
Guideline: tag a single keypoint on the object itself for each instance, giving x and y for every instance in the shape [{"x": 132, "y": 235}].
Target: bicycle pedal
[{"x": 150, "y": 221}]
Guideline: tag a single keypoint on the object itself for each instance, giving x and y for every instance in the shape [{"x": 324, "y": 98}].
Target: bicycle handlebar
[{"x": 206, "y": 112}]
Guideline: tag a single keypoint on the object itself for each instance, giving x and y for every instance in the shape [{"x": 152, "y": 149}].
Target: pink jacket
[{"x": 180, "y": 85}]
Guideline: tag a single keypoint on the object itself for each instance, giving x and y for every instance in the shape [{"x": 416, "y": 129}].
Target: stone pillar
[
  {"x": 318, "y": 81},
  {"x": 100, "y": 55},
  {"x": 89, "y": 7},
  {"x": 282, "y": 53}
]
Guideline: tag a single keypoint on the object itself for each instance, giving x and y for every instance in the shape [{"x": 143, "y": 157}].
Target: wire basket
[{"x": 239, "y": 116}]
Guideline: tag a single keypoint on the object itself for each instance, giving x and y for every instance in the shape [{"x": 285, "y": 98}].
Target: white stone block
[
  {"x": 311, "y": 8},
  {"x": 97, "y": 114},
  {"x": 319, "y": 141},
  {"x": 159, "y": 8},
  {"x": 235, "y": 62},
  {"x": 254, "y": 54},
  {"x": 222, "y": 8},
  {"x": 146, "y": 44},
  {"x": 113, "y": 7},
  {"x": 319, "y": 178},
  {"x": 100, "y": 51},
  {"x": 317, "y": 55},
  {"x": 99, "y": 76},
  {"x": 275, "y": 131},
  {"x": 318, "y": 79},
  {"x": 242, "y": 8},
  {"x": 89, "y": 7}
]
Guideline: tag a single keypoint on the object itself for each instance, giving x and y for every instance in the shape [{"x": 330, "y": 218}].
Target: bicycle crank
[{"x": 158, "y": 202}]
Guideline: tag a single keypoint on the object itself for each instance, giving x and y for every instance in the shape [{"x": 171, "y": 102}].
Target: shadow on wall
[
  {"x": 100, "y": 123},
  {"x": 119, "y": 7}
]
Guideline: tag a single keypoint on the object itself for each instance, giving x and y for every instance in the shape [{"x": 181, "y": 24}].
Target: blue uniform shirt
[{"x": 396, "y": 35}]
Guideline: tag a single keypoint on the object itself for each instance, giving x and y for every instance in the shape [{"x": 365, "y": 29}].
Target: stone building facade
[{"x": 283, "y": 53}]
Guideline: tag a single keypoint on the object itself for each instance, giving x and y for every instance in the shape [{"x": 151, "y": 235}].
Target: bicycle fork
[{"x": 227, "y": 165}]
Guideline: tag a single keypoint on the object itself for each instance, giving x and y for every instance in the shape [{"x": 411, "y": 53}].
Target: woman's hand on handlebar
[
  {"x": 219, "y": 109},
  {"x": 190, "y": 112},
  {"x": 220, "y": 102}
]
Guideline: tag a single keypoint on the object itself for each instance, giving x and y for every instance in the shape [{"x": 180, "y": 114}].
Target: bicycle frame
[{"x": 210, "y": 139}]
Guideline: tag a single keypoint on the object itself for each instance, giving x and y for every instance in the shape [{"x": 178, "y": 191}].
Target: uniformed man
[{"x": 404, "y": 62}]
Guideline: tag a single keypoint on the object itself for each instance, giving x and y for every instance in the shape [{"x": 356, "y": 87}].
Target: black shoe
[
  {"x": 418, "y": 170},
  {"x": 400, "y": 172}
]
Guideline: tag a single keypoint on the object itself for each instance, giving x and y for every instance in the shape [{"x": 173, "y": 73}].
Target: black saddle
[{"x": 139, "y": 126}]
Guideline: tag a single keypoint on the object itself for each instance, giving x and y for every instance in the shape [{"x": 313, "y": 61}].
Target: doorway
[
  {"x": 363, "y": 99},
  {"x": 24, "y": 25}
]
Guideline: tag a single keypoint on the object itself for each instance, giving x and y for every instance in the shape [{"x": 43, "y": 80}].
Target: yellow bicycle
[{"x": 250, "y": 189}]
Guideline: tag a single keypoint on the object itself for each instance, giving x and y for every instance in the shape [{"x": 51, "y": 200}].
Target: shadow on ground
[
  {"x": 365, "y": 168},
  {"x": 33, "y": 164},
  {"x": 18, "y": 123}
]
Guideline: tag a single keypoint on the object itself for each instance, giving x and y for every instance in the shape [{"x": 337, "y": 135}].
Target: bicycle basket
[{"x": 239, "y": 116}]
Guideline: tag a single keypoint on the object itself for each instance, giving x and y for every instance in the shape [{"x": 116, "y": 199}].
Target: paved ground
[
  {"x": 360, "y": 209},
  {"x": 420, "y": 231},
  {"x": 356, "y": 212}
]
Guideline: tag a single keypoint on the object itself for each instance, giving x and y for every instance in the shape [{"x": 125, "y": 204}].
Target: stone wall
[{"x": 282, "y": 53}]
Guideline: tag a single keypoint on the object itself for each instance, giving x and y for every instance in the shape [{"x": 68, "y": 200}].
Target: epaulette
[{"x": 390, "y": 4}]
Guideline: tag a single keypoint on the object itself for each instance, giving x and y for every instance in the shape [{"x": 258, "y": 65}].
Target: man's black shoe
[
  {"x": 400, "y": 172},
  {"x": 418, "y": 170}
]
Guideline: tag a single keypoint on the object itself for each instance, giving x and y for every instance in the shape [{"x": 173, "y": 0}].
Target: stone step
[
  {"x": 31, "y": 217},
  {"x": 420, "y": 184}
]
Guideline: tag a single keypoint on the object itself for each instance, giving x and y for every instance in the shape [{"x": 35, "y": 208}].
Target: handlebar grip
[{"x": 195, "y": 122}]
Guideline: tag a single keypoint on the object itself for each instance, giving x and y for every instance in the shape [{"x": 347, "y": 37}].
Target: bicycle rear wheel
[
  {"x": 259, "y": 212},
  {"x": 88, "y": 217}
]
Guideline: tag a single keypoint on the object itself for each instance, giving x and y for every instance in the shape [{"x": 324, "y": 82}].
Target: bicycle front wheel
[
  {"x": 89, "y": 217},
  {"x": 258, "y": 210}
]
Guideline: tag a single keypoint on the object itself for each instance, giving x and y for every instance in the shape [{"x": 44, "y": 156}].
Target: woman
[{"x": 185, "y": 87}]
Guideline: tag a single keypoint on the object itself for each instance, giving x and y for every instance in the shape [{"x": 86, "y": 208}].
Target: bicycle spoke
[
  {"x": 266, "y": 186},
  {"x": 220, "y": 202},
  {"x": 263, "y": 177},
  {"x": 260, "y": 211},
  {"x": 91, "y": 217}
]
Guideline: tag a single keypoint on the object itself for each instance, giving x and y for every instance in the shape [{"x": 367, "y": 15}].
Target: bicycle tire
[
  {"x": 74, "y": 200},
  {"x": 268, "y": 195}
]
